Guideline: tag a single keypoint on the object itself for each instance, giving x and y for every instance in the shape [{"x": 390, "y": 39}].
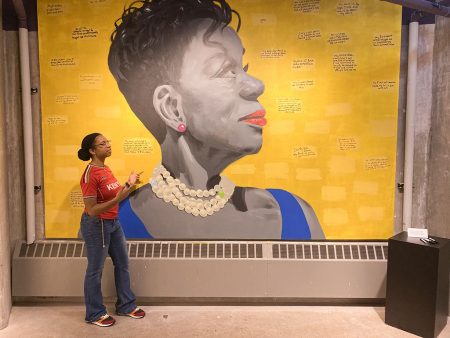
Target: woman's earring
[{"x": 181, "y": 127}]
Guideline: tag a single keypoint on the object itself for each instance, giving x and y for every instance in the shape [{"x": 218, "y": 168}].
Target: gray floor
[{"x": 49, "y": 320}]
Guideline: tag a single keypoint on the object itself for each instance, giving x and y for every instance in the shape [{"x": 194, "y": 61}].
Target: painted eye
[
  {"x": 245, "y": 69},
  {"x": 227, "y": 72}
]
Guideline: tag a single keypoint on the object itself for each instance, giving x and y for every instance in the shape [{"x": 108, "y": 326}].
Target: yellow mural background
[{"x": 331, "y": 71}]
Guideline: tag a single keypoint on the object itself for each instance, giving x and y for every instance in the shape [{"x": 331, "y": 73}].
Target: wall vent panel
[{"x": 266, "y": 270}]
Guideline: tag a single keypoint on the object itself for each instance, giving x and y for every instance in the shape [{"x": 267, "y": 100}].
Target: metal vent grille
[
  {"x": 217, "y": 250},
  {"x": 334, "y": 251},
  {"x": 175, "y": 250},
  {"x": 196, "y": 250},
  {"x": 52, "y": 250}
]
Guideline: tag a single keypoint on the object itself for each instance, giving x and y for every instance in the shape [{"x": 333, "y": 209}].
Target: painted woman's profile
[{"x": 179, "y": 65}]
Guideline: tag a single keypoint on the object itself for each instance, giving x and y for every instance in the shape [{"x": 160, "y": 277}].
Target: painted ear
[{"x": 167, "y": 103}]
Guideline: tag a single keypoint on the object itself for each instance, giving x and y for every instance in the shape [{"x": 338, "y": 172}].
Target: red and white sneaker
[
  {"x": 104, "y": 321},
  {"x": 137, "y": 313}
]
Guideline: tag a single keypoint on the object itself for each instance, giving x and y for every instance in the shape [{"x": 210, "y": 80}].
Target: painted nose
[{"x": 251, "y": 88}]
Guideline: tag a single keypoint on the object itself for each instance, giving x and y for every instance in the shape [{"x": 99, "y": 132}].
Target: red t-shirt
[{"x": 99, "y": 182}]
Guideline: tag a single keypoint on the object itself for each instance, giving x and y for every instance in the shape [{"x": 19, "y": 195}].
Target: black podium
[{"x": 417, "y": 285}]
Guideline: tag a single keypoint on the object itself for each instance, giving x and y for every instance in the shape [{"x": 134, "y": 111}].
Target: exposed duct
[
  {"x": 409, "y": 123},
  {"x": 424, "y": 6}
]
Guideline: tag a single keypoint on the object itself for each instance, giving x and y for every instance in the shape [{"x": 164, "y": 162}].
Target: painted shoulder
[
  {"x": 256, "y": 198},
  {"x": 261, "y": 198},
  {"x": 313, "y": 222}
]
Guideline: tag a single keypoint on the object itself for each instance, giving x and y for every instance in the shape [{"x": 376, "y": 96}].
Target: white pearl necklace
[{"x": 171, "y": 190}]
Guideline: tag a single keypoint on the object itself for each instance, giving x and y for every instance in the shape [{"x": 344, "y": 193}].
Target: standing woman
[{"x": 103, "y": 233}]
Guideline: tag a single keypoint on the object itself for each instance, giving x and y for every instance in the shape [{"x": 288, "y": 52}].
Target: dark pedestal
[{"x": 417, "y": 285}]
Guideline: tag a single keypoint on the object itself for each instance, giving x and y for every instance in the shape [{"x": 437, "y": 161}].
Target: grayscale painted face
[{"x": 219, "y": 99}]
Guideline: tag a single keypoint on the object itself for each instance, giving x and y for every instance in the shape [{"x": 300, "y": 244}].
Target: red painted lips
[{"x": 256, "y": 118}]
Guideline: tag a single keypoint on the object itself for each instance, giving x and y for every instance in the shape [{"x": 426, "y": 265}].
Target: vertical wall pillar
[
  {"x": 422, "y": 135},
  {"x": 5, "y": 254},
  {"x": 438, "y": 196}
]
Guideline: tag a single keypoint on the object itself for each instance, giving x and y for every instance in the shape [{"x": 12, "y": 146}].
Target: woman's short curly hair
[{"x": 148, "y": 45}]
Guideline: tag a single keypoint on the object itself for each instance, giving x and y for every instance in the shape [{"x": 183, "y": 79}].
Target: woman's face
[
  {"x": 102, "y": 147},
  {"x": 219, "y": 98}
]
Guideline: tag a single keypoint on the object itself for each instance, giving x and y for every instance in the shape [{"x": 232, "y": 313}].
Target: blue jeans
[{"x": 101, "y": 240}]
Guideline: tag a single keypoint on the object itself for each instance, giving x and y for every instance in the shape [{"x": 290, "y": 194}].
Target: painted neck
[{"x": 193, "y": 162}]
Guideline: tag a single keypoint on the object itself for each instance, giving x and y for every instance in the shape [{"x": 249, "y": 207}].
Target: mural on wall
[
  {"x": 308, "y": 88},
  {"x": 180, "y": 67}
]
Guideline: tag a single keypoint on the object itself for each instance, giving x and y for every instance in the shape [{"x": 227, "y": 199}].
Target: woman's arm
[{"x": 94, "y": 209}]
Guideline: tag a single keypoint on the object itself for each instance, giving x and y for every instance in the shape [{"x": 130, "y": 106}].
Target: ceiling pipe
[{"x": 423, "y": 6}]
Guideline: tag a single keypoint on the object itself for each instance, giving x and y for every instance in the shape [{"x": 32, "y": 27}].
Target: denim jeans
[{"x": 101, "y": 240}]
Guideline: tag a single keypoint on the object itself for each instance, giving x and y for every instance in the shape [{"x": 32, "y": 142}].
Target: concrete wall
[
  {"x": 422, "y": 124},
  {"x": 5, "y": 253},
  {"x": 431, "y": 182},
  {"x": 14, "y": 136},
  {"x": 438, "y": 190},
  {"x": 422, "y": 127}
]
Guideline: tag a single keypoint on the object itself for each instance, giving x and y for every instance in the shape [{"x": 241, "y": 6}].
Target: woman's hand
[{"x": 134, "y": 178}]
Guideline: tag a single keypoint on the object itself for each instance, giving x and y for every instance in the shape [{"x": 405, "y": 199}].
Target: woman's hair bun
[
  {"x": 84, "y": 155},
  {"x": 86, "y": 144}
]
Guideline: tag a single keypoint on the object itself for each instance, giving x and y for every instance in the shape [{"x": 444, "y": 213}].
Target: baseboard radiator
[{"x": 212, "y": 270}]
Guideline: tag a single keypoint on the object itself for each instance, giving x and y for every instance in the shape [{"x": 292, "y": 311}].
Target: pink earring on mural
[{"x": 181, "y": 127}]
